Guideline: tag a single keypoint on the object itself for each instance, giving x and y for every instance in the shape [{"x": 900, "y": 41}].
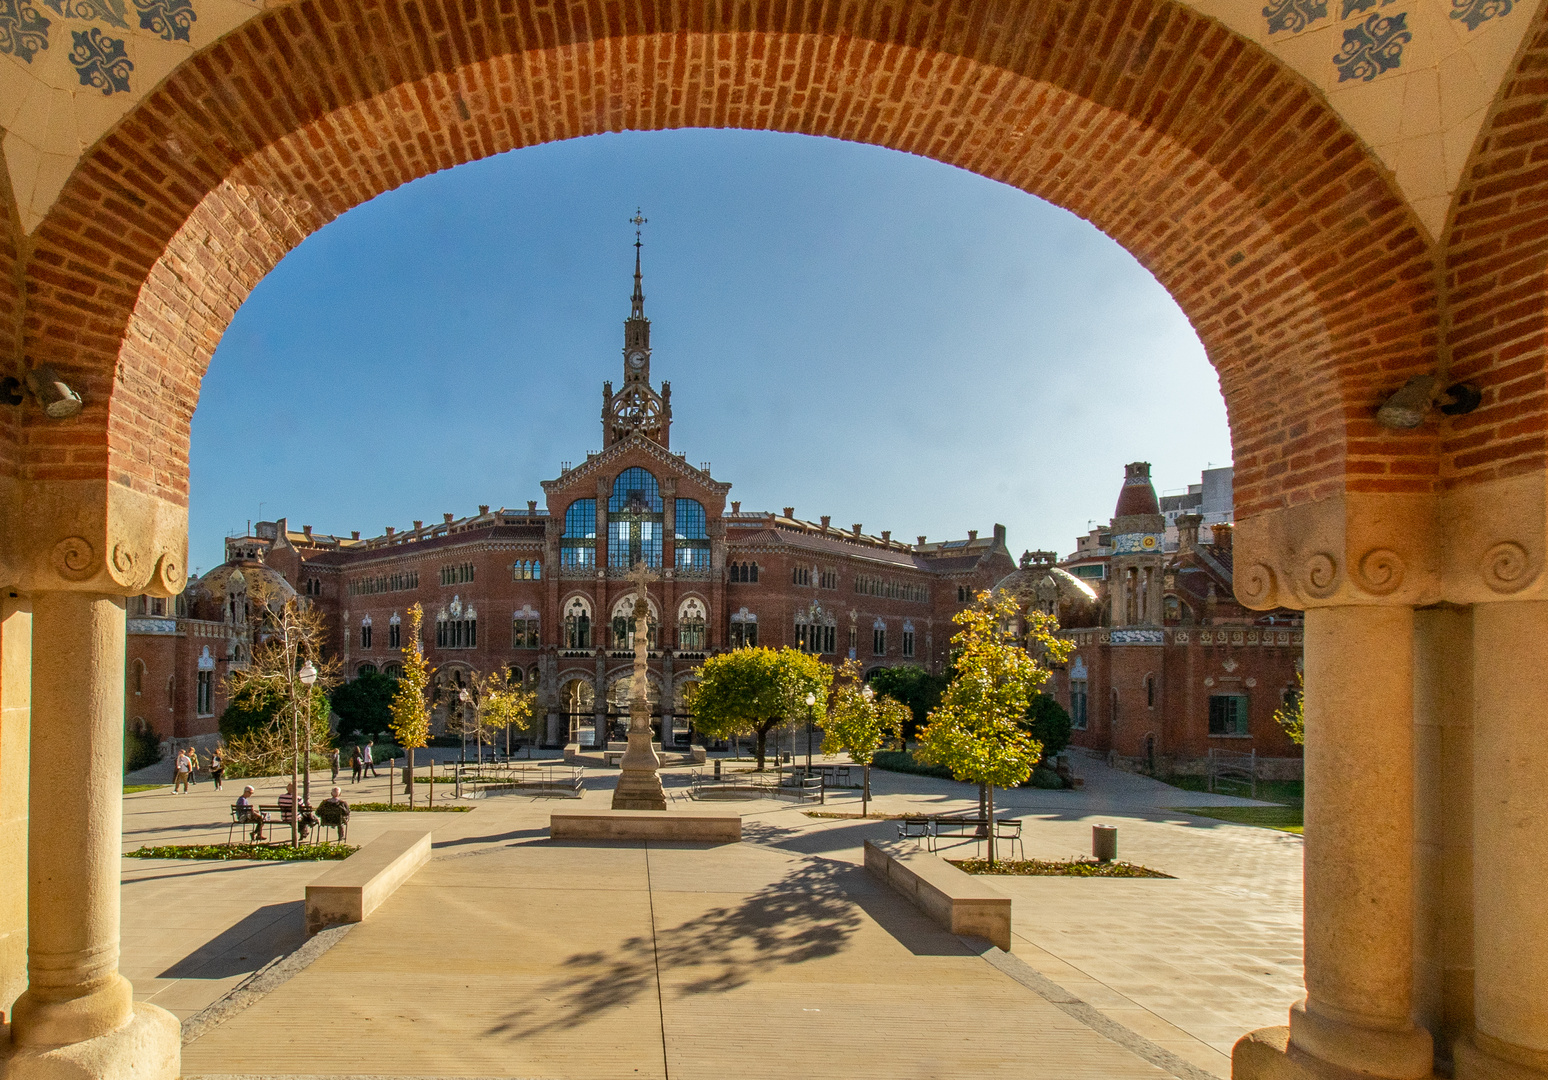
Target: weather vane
[{"x": 637, "y": 221}]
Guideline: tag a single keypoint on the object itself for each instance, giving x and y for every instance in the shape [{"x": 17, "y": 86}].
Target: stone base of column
[
  {"x": 639, "y": 791},
  {"x": 1268, "y": 1054},
  {"x": 1478, "y": 1057},
  {"x": 148, "y": 1047}
]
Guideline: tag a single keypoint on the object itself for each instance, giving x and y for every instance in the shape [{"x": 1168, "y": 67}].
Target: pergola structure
[{"x": 1342, "y": 196}]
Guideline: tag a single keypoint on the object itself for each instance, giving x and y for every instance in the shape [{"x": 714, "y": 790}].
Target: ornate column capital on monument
[{"x": 91, "y": 536}]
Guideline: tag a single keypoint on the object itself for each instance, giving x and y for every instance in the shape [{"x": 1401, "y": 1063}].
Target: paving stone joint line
[{"x": 264, "y": 981}]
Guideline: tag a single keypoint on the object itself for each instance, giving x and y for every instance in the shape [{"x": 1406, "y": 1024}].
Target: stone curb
[{"x": 263, "y": 982}]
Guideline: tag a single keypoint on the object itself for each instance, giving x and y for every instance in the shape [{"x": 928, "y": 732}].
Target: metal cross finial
[{"x": 637, "y": 221}]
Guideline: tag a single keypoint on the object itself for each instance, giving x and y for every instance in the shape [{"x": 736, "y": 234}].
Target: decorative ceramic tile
[
  {"x": 1376, "y": 45},
  {"x": 1294, "y": 15},
  {"x": 101, "y": 61},
  {"x": 170, "y": 20},
  {"x": 1353, "y": 7},
  {"x": 1474, "y": 13},
  {"x": 111, "y": 12},
  {"x": 23, "y": 29}
]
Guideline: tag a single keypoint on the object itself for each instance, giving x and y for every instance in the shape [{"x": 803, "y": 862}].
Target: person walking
[
  {"x": 370, "y": 756},
  {"x": 333, "y": 763},
  {"x": 180, "y": 770},
  {"x": 217, "y": 767},
  {"x": 354, "y": 765}
]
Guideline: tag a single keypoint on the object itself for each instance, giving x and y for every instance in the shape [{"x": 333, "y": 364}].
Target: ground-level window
[
  {"x": 206, "y": 702},
  {"x": 815, "y": 637},
  {"x": 524, "y": 631},
  {"x": 744, "y": 630},
  {"x": 1228, "y": 714}
]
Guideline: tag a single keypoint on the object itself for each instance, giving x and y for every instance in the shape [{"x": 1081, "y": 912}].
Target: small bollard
[
  {"x": 717, "y": 768},
  {"x": 1104, "y": 842}
]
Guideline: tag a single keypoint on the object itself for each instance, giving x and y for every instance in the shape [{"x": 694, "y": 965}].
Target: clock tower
[{"x": 636, "y": 407}]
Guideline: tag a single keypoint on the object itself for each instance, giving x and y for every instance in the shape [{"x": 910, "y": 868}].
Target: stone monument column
[
  {"x": 77, "y": 1016},
  {"x": 639, "y": 782},
  {"x": 1510, "y": 845},
  {"x": 1359, "y": 845}
]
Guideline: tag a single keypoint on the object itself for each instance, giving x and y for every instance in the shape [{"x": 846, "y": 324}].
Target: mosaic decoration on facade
[
  {"x": 111, "y": 12},
  {"x": 1137, "y": 637},
  {"x": 1294, "y": 15},
  {"x": 171, "y": 20},
  {"x": 1474, "y": 13},
  {"x": 1354, "y": 7},
  {"x": 100, "y": 61},
  {"x": 1374, "y": 46},
  {"x": 1138, "y": 543},
  {"x": 23, "y": 29}
]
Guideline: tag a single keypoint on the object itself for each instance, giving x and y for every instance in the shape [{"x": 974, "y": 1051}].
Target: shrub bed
[
  {"x": 1061, "y": 868},
  {"x": 270, "y": 852},
  {"x": 418, "y": 808},
  {"x": 903, "y": 761}
]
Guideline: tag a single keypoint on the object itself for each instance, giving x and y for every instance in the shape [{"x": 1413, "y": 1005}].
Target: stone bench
[
  {"x": 959, "y": 902},
  {"x": 687, "y": 826},
  {"x": 358, "y": 885}
]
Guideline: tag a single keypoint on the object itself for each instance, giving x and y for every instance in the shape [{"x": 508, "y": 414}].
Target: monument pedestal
[{"x": 639, "y": 784}]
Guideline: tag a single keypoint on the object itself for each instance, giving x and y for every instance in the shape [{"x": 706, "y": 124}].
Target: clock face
[{"x": 636, "y": 361}]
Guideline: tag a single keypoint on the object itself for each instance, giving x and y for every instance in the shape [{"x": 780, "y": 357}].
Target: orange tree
[{"x": 752, "y": 691}]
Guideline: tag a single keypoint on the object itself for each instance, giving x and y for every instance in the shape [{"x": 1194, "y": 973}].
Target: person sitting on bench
[
  {"x": 248, "y": 814},
  {"x": 334, "y": 812}
]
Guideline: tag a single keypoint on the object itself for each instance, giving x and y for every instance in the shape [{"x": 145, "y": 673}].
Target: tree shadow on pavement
[{"x": 807, "y": 915}]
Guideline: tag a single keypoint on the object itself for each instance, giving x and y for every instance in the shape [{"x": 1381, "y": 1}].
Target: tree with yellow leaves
[
  {"x": 977, "y": 730},
  {"x": 859, "y": 722},
  {"x": 410, "y": 714}
]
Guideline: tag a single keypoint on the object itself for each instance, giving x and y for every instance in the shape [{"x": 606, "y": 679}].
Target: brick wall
[{"x": 1300, "y": 267}]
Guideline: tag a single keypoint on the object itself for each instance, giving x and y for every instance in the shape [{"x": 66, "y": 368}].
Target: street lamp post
[
  {"x": 308, "y": 677},
  {"x": 463, "y": 696},
  {"x": 865, "y": 770},
  {"x": 811, "y": 705}
]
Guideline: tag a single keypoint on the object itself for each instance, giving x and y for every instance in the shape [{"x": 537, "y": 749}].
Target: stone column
[
  {"x": 1510, "y": 845},
  {"x": 1359, "y": 846},
  {"x": 77, "y": 1016}
]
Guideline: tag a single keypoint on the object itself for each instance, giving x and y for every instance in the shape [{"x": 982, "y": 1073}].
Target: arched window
[
  {"x": 456, "y": 628},
  {"x": 744, "y": 630},
  {"x": 365, "y": 632},
  {"x": 171, "y": 691},
  {"x": 624, "y": 623},
  {"x": 138, "y": 677},
  {"x": 815, "y": 631},
  {"x": 634, "y": 520},
  {"x": 908, "y": 638},
  {"x": 393, "y": 671},
  {"x": 579, "y": 699},
  {"x": 524, "y": 628},
  {"x": 879, "y": 638},
  {"x": 693, "y": 546},
  {"x": 577, "y": 624},
  {"x": 365, "y": 669},
  {"x": 513, "y": 675},
  {"x": 394, "y": 636},
  {"x": 579, "y": 544},
  {"x": 690, "y": 624},
  {"x": 527, "y": 570},
  {"x": 1078, "y": 694},
  {"x": 1150, "y": 691}
]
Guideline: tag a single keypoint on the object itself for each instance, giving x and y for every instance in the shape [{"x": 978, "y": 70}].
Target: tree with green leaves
[
  {"x": 1292, "y": 714},
  {"x": 751, "y": 691},
  {"x": 503, "y": 705},
  {"x": 977, "y": 730},
  {"x": 914, "y": 687},
  {"x": 1049, "y": 723},
  {"x": 859, "y": 721},
  {"x": 410, "y": 711},
  {"x": 364, "y": 706}
]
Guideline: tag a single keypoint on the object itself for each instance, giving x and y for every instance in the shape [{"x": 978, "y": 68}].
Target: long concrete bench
[
  {"x": 960, "y": 903},
  {"x": 689, "y": 826},
  {"x": 358, "y": 885}
]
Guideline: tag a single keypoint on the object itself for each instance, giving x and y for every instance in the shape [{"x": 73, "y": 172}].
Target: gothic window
[
  {"x": 854, "y": 640},
  {"x": 137, "y": 681},
  {"x": 690, "y": 625},
  {"x": 457, "y": 575},
  {"x": 634, "y": 520},
  {"x": 693, "y": 546},
  {"x": 744, "y": 572},
  {"x": 527, "y": 570},
  {"x": 624, "y": 624},
  {"x": 158, "y": 606},
  {"x": 577, "y": 624},
  {"x": 180, "y": 606},
  {"x": 456, "y": 628},
  {"x": 394, "y": 635},
  {"x": 171, "y": 691},
  {"x": 815, "y": 633},
  {"x": 365, "y": 669},
  {"x": 1228, "y": 714},
  {"x": 365, "y": 632},
  {"x": 393, "y": 671},
  {"x": 908, "y": 639},
  {"x": 879, "y": 638},
  {"x": 964, "y": 594},
  {"x": 513, "y": 675},
  {"x": 801, "y": 575},
  {"x": 524, "y": 629},
  {"x": 828, "y": 579},
  {"x": 206, "y": 698},
  {"x": 744, "y": 630},
  {"x": 579, "y": 545},
  {"x": 1150, "y": 691}
]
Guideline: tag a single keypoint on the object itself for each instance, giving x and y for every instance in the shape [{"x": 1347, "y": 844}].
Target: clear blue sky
[{"x": 849, "y": 330}]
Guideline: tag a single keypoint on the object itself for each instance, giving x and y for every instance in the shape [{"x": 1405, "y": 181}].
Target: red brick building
[
  {"x": 540, "y": 592},
  {"x": 1168, "y": 665}
]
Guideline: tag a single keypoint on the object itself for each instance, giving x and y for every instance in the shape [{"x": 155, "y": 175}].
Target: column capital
[{"x": 91, "y": 536}]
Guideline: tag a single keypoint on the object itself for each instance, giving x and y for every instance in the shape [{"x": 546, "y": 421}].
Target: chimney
[
  {"x": 354, "y": 534},
  {"x": 1222, "y": 534},
  {"x": 825, "y": 520},
  {"x": 390, "y": 531},
  {"x": 736, "y": 508},
  {"x": 448, "y": 518},
  {"x": 857, "y": 529},
  {"x": 1188, "y": 532},
  {"x": 790, "y": 512},
  {"x": 972, "y": 535},
  {"x": 418, "y": 525},
  {"x": 307, "y": 531},
  {"x": 886, "y": 536},
  {"x": 999, "y": 535},
  {"x": 531, "y": 507},
  {"x": 921, "y": 541},
  {"x": 483, "y": 508}
]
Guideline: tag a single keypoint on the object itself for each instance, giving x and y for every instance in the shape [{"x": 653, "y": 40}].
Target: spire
[{"x": 637, "y": 302}]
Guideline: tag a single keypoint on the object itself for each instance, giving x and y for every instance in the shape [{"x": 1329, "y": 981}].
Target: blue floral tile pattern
[
  {"x": 109, "y": 11},
  {"x": 23, "y": 29},
  {"x": 1352, "y": 7},
  {"x": 1376, "y": 45},
  {"x": 100, "y": 61},
  {"x": 1477, "y": 12},
  {"x": 1293, "y": 15},
  {"x": 172, "y": 19}
]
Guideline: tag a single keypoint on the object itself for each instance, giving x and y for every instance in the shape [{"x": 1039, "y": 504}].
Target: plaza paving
[{"x": 511, "y": 955}]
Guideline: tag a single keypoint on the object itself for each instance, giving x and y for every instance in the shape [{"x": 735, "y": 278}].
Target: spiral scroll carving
[
  {"x": 123, "y": 558},
  {"x": 1506, "y": 567},
  {"x": 74, "y": 558},
  {"x": 168, "y": 574},
  {"x": 1381, "y": 571},
  {"x": 1256, "y": 587},
  {"x": 1320, "y": 576}
]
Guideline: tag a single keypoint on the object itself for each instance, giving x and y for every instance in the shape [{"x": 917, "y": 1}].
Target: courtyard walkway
[{"x": 509, "y": 955}]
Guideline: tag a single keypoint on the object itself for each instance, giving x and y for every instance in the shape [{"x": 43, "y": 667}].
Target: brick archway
[{"x": 1301, "y": 269}]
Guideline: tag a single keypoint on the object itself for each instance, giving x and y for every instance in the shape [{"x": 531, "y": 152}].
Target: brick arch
[{"x": 1298, "y": 264}]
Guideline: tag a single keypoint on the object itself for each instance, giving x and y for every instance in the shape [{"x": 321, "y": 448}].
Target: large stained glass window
[
  {"x": 634, "y": 520},
  {"x": 693, "y": 546},
  {"x": 578, "y": 547}
]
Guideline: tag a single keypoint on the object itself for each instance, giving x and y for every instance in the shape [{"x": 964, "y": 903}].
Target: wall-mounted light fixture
[
  {"x": 1408, "y": 407},
  {"x": 53, "y": 393}
]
